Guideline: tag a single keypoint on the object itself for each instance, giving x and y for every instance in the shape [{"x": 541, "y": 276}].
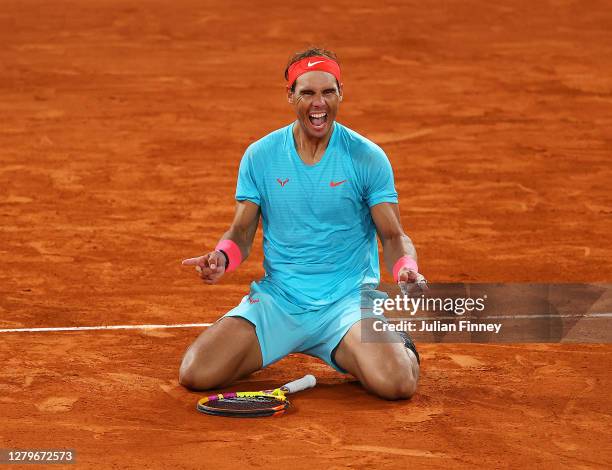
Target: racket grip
[{"x": 308, "y": 381}]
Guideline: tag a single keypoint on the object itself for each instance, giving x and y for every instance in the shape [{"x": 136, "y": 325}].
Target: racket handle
[{"x": 308, "y": 381}]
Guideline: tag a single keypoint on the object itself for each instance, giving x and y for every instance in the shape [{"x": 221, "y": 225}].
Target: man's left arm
[{"x": 398, "y": 251}]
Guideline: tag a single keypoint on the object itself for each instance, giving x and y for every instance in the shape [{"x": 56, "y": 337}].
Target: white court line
[
  {"x": 105, "y": 327},
  {"x": 204, "y": 325}
]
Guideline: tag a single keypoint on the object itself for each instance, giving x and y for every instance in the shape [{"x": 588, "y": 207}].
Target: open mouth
[{"x": 318, "y": 120}]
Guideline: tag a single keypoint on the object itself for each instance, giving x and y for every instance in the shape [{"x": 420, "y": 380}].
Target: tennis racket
[{"x": 254, "y": 404}]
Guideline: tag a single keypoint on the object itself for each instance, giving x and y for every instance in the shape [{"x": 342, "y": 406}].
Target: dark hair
[{"x": 310, "y": 52}]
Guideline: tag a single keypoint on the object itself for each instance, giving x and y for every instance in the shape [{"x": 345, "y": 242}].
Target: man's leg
[
  {"x": 225, "y": 352},
  {"x": 387, "y": 369}
]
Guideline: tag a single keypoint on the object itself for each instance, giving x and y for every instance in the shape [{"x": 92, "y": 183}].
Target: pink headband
[{"x": 310, "y": 64}]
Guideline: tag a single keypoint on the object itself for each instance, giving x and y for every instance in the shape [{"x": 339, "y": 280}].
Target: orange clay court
[{"x": 123, "y": 123}]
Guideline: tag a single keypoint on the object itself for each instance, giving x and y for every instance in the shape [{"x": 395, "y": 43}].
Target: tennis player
[{"x": 323, "y": 192}]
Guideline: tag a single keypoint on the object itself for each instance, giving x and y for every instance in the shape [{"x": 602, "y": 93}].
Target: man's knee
[
  {"x": 196, "y": 380},
  {"x": 398, "y": 385},
  {"x": 195, "y": 375},
  {"x": 188, "y": 378},
  {"x": 192, "y": 375},
  {"x": 198, "y": 377},
  {"x": 229, "y": 350},
  {"x": 395, "y": 380}
]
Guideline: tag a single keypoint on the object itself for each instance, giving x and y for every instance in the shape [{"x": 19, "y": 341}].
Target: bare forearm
[
  {"x": 242, "y": 238},
  {"x": 395, "y": 247},
  {"x": 243, "y": 228}
]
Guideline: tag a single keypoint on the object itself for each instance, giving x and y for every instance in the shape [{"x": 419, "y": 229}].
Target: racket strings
[
  {"x": 253, "y": 404},
  {"x": 247, "y": 403}
]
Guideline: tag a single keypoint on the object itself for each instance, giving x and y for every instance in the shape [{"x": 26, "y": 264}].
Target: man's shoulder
[
  {"x": 273, "y": 141},
  {"x": 360, "y": 148}
]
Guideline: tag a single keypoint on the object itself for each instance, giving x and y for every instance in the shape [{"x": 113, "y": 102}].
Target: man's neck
[{"x": 310, "y": 149}]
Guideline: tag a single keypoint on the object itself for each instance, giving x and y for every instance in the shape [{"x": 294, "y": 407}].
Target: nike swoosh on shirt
[
  {"x": 334, "y": 184},
  {"x": 310, "y": 64}
]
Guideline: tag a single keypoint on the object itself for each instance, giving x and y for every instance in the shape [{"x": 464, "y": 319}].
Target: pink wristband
[
  {"x": 232, "y": 251},
  {"x": 404, "y": 262}
]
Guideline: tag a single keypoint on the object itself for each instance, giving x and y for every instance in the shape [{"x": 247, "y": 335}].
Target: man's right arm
[
  {"x": 211, "y": 266},
  {"x": 244, "y": 226}
]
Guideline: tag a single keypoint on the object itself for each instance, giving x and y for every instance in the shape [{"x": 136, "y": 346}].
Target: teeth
[{"x": 318, "y": 115}]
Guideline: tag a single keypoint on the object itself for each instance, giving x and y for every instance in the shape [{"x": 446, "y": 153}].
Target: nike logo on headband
[{"x": 310, "y": 64}]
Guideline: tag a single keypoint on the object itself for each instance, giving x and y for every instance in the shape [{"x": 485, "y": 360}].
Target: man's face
[{"x": 316, "y": 99}]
